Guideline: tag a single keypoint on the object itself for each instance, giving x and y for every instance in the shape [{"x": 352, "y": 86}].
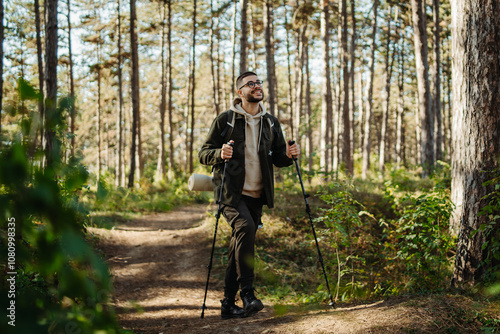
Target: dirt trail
[{"x": 159, "y": 261}]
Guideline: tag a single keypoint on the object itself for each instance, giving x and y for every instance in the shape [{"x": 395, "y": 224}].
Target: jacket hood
[{"x": 236, "y": 107}]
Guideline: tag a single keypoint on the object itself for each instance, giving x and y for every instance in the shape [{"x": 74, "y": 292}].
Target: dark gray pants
[{"x": 244, "y": 221}]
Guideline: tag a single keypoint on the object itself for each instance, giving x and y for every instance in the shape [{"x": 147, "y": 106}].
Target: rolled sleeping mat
[{"x": 200, "y": 182}]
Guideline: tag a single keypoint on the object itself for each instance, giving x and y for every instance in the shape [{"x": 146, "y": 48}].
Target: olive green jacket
[{"x": 272, "y": 150}]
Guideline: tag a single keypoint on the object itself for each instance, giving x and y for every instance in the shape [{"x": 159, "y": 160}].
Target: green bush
[
  {"x": 60, "y": 284},
  {"x": 424, "y": 241}
]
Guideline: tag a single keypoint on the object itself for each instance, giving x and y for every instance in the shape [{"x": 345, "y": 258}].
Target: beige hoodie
[{"x": 253, "y": 175}]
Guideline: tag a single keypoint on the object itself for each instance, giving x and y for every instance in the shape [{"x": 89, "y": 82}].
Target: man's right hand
[{"x": 227, "y": 151}]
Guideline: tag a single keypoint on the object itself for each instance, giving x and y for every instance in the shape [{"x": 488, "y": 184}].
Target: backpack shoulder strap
[
  {"x": 274, "y": 131},
  {"x": 228, "y": 130}
]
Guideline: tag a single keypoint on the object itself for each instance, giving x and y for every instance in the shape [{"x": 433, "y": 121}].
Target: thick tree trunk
[
  {"x": 476, "y": 121},
  {"x": 243, "y": 37},
  {"x": 424, "y": 96},
  {"x": 135, "y": 94},
  {"x": 326, "y": 101},
  {"x": 436, "y": 81},
  {"x": 346, "y": 147},
  {"x": 369, "y": 110},
  {"x": 50, "y": 79}
]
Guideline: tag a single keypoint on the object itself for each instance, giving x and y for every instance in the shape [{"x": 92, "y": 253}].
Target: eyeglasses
[{"x": 252, "y": 84}]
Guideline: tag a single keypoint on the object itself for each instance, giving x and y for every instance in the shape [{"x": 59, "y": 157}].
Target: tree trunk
[
  {"x": 346, "y": 147},
  {"x": 252, "y": 34},
  {"x": 309, "y": 133},
  {"x": 170, "y": 95},
  {"x": 268, "y": 10},
  {"x": 400, "y": 109},
  {"x": 233, "y": 53},
  {"x": 51, "y": 79},
  {"x": 389, "y": 62},
  {"x": 41, "y": 78},
  {"x": 299, "y": 81},
  {"x": 121, "y": 165},
  {"x": 212, "y": 61},
  {"x": 99, "y": 110},
  {"x": 1, "y": 61},
  {"x": 135, "y": 93},
  {"x": 352, "y": 74},
  {"x": 369, "y": 110},
  {"x": 163, "y": 104},
  {"x": 290, "y": 98},
  {"x": 193, "y": 85},
  {"x": 243, "y": 37},
  {"x": 326, "y": 101},
  {"x": 424, "y": 97},
  {"x": 436, "y": 81},
  {"x": 476, "y": 113},
  {"x": 72, "y": 110}
]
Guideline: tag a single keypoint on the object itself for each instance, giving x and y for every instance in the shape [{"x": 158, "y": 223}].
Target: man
[{"x": 257, "y": 143}]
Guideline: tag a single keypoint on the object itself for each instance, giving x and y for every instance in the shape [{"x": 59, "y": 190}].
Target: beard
[{"x": 250, "y": 98}]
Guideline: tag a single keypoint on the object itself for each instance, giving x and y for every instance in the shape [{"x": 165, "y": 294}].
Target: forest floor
[{"x": 158, "y": 263}]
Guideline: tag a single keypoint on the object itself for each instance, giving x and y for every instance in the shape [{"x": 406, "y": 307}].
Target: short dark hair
[{"x": 243, "y": 76}]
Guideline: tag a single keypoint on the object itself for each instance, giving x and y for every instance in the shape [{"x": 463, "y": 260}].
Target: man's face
[{"x": 253, "y": 95}]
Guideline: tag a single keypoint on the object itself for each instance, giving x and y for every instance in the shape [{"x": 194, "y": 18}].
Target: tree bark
[
  {"x": 476, "y": 121},
  {"x": 268, "y": 22},
  {"x": 72, "y": 110},
  {"x": 135, "y": 93},
  {"x": 290, "y": 98},
  {"x": 389, "y": 62},
  {"x": 233, "y": 53},
  {"x": 369, "y": 110},
  {"x": 352, "y": 74},
  {"x": 243, "y": 37},
  {"x": 424, "y": 96},
  {"x": 346, "y": 147},
  {"x": 121, "y": 165},
  {"x": 51, "y": 44},
  {"x": 1, "y": 60},
  {"x": 171, "y": 164},
  {"x": 41, "y": 78},
  {"x": 326, "y": 93},
  {"x": 436, "y": 81},
  {"x": 212, "y": 61},
  {"x": 400, "y": 109},
  {"x": 163, "y": 104},
  {"x": 193, "y": 86}
]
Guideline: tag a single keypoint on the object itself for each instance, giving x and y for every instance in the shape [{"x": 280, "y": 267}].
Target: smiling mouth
[{"x": 257, "y": 91}]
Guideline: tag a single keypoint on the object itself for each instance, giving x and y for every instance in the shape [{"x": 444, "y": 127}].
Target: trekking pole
[
  {"x": 217, "y": 216},
  {"x": 308, "y": 210}
]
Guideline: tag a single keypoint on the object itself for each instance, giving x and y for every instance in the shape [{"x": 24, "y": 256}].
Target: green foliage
[
  {"x": 149, "y": 197},
  {"x": 61, "y": 283},
  {"x": 424, "y": 241}
]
